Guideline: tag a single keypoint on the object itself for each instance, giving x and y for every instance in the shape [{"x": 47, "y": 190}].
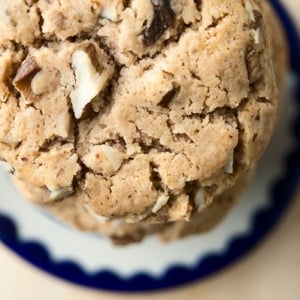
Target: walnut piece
[
  {"x": 89, "y": 83},
  {"x": 25, "y": 73},
  {"x": 253, "y": 65}
]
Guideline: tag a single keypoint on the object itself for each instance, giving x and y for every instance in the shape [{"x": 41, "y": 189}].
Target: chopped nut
[
  {"x": 180, "y": 209},
  {"x": 160, "y": 202},
  {"x": 176, "y": 210},
  {"x": 256, "y": 31},
  {"x": 110, "y": 11},
  {"x": 249, "y": 9},
  {"x": 256, "y": 35},
  {"x": 200, "y": 199},
  {"x": 89, "y": 83},
  {"x": 253, "y": 65},
  {"x": 100, "y": 219},
  {"x": 59, "y": 20},
  {"x": 25, "y": 73},
  {"x": 10, "y": 139},
  {"x": 162, "y": 20},
  {"x": 60, "y": 194},
  {"x": 256, "y": 19},
  {"x": 104, "y": 159},
  {"x": 7, "y": 167},
  {"x": 113, "y": 156}
]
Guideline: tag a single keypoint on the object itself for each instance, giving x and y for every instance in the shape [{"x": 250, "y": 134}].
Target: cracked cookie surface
[{"x": 145, "y": 111}]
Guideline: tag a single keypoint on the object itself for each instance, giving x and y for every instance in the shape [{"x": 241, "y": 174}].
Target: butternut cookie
[{"x": 141, "y": 111}]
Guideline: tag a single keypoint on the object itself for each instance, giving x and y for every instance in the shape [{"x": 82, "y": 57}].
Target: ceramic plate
[{"x": 90, "y": 260}]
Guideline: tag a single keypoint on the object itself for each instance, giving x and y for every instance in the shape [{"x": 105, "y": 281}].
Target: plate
[{"x": 92, "y": 261}]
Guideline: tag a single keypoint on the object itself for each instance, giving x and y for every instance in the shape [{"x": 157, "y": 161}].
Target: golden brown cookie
[{"x": 142, "y": 111}]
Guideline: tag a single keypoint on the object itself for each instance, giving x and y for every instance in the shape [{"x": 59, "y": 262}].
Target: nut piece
[
  {"x": 103, "y": 159},
  {"x": 100, "y": 219},
  {"x": 200, "y": 199},
  {"x": 25, "y": 73},
  {"x": 176, "y": 210},
  {"x": 256, "y": 35},
  {"x": 60, "y": 194},
  {"x": 180, "y": 209},
  {"x": 162, "y": 20},
  {"x": 110, "y": 10},
  {"x": 249, "y": 9},
  {"x": 253, "y": 65},
  {"x": 256, "y": 19},
  {"x": 89, "y": 83},
  {"x": 256, "y": 31},
  {"x": 160, "y": 202},
  {"x": 113, "y": 155}
]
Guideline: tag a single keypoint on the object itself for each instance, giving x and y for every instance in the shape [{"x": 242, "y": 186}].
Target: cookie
[
  {"x": 143, "y": 111},
  {"x": 76, "y": 214}
]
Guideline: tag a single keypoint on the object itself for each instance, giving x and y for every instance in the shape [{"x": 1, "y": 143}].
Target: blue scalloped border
[{"x": 281, "y": 195}]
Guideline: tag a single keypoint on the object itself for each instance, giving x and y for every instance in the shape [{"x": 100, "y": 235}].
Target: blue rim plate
[{"x": 277, "y": 194}]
